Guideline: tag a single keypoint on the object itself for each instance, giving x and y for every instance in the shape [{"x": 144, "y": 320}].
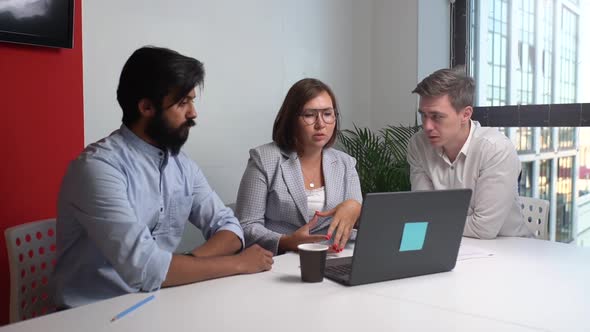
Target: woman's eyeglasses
[{"x": 310, "y": 116}]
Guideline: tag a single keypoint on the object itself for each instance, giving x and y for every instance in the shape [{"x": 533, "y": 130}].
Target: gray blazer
[{"x": 272, "y": 200}]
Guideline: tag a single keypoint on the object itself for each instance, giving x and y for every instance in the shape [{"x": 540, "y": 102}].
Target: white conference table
[{"x": 527, "y": 285}]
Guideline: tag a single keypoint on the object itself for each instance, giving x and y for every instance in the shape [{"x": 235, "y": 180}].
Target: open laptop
[{"x": 404, "y": 234}]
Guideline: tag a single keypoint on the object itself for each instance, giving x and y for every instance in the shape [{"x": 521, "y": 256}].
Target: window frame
[
  {"x": 535, "y": 115},
  {"x": 530, "y": 115}
]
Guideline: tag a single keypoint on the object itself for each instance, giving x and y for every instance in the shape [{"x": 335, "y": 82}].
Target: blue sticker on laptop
[{"x": 413, "y": 236}]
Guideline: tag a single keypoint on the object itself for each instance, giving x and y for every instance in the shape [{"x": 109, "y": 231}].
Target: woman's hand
[
  {"x": 344, "y": 216},
  {"x": 291, "y": 241}
]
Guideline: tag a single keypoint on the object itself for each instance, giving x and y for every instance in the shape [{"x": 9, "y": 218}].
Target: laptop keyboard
[{"x": 339, "y": 270}]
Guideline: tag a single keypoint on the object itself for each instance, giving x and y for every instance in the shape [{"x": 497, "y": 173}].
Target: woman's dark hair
[
  {"x": 284, "y": 131},
  {"x": 153, "y": 73}
]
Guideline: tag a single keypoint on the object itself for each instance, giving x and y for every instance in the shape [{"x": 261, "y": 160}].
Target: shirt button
[
  {"x": 153, "y": 237},
  {"x": 161, "y": 209},
  {"x": 452, "y": 167}
]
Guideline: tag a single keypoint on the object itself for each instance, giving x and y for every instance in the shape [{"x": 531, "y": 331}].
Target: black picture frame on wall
[{"x": 37, "y": 22}]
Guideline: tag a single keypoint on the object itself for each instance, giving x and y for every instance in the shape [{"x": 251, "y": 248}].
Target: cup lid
[{"x": 312, "y": 247}]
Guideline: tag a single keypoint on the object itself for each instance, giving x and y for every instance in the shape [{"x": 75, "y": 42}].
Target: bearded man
[{"x": 125, "y": 200}]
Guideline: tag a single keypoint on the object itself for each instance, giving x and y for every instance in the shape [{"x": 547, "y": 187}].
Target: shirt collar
[
  {"x": 465, "y": 147},
  {"x": 142, "y": 145}
]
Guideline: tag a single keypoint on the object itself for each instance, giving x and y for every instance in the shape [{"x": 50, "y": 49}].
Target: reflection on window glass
[
  {"x": 545, "y": 179},
  {"x": 524, "y": 137},
  {"x": 546, "y": 139},
  {"x": 497, "y": 53},
  {"x": 565, "y": 138},
  {"x": 583, "y": 188},
  {"x": 564, "y": 200},
  {"x": 524, "y": 68},
  {"x": 568, "y": 62},
  {"x": 546, "y": 68},
  {"x": 527, "y": 52},
  {"x": 525, "y": 187},
  {"x": 584, "y": 165}
]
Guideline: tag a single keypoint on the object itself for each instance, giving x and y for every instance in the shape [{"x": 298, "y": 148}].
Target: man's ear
[
  {"x": 467, "y": 112},
  {"x": 146, "y": 108}
]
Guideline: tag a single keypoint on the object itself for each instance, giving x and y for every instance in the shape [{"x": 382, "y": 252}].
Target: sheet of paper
[{"x": 471, "y": 252}]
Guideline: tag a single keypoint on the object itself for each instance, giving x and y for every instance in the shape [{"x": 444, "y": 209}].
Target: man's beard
[{"x": 159, "y": 130}]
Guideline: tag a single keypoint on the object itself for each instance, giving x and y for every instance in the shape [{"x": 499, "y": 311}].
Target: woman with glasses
[{"x": 297, "y": 189}]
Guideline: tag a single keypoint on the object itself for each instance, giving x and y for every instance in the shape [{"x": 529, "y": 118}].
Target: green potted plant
[{"x": 381, "y": 156}]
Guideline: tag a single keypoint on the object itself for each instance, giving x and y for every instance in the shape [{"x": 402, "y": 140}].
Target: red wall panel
[{"x": 41, "y": 130}]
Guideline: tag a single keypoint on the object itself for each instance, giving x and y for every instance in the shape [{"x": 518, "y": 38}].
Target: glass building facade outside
[{"x": 531, "y": 52}]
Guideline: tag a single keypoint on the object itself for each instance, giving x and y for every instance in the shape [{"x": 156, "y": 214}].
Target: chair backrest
[
  {"x": 31, "y": 257},
  {"x": 536, "y": 216}
]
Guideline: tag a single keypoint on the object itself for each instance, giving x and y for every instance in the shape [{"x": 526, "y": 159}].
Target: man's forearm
[
  {"x": 484, "y": 227},
  {"x": 222, "y": 243},
  {"x": 186, "y": 269}
]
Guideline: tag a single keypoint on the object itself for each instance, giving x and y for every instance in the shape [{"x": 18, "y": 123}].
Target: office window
[
  {"x": 546, "y": 47},
  {"x": 564, "y": 232},
  {"x": 497, "y": 53},
  {"x": 530, "y": 52},
  {"x": 525, "y": 22},
  {"x": 583, "y": 189},
  {"x": 584, "y": 160},
  {"x": 566, "y": 138},
  {"x": 524, "y": 139},
  {"x": 568, "y": 59},
  {"x": 526, "y": 180},
  {"x": 545, "y": 182},
  {"x": 545, "y": 139}
]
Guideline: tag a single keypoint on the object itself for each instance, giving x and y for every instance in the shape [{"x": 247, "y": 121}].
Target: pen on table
[{"x": 132, "y": 308}]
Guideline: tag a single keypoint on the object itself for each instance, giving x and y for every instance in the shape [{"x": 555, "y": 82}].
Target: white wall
[
  {"x": 434, "y": 39},
  {"x": 253, "y": 51},
  {"x": 394, "y": 34},
  {"x": 409, "y": 40}
]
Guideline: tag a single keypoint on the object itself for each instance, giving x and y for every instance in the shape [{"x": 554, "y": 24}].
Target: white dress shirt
[
  {"x": 487, "y": 164},
  {"x": 316, "y": 200}
]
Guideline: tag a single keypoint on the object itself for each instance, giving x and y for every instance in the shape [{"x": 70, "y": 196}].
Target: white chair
[
  {"x": 536, "y": 216},
  {"x": 31, "y": 258}
]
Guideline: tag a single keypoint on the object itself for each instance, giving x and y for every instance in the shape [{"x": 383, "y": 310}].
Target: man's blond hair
[{"x": 452, "y": 82}]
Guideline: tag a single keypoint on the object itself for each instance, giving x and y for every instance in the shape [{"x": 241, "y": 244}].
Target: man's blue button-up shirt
[{"x": 122, "y": 209}]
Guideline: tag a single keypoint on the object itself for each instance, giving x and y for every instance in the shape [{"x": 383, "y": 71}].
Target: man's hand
[{"x": 254, "y": 259}]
